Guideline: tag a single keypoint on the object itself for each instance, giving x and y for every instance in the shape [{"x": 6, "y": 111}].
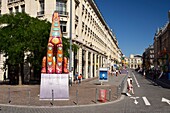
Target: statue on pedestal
[{"x": 53, "y": 63}]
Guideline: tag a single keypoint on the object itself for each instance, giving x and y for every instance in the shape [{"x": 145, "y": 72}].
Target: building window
[
  {"x": 10, "y": 10},
  {"x": 41, "y": 12},
  {"x": 82, "y": 25},
  {"x": 42, "y": 5},
  {"x": 0, "y": 3},
  {"x": 63, "y": 26},
  {"x": 16, "y": 9},
  {"x": 86, "y": 28},
  {"x": 61, "y": 7},
  {"x": 22, "y": 8}
]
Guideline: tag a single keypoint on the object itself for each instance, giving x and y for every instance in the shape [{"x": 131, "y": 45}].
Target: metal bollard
[
  {"x": 77, "y": 97},
  {"x": 52, "y": 98},
  {"x": 118, "y": 90},
  {"x": 29, "y": 97},
  {"x": 96, "y": 96},
  {"x": 9, "y": 96},
  {"x": 110, "y": 92}
]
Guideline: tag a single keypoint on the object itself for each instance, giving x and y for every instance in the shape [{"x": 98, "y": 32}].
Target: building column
[
  {"x": 91, "y": 65},
  {"x": 98, "y": 60},
  {"x": 80, "y": 61},
  {"x": 86, "y": 65},
  {"x": 95, "y": 71},
  {"x": 101, "y": 61}
]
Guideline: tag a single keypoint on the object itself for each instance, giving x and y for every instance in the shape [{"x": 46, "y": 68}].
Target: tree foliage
[
  {"x": 66, "y": 47},
  {"x": 21, "y": 34}
]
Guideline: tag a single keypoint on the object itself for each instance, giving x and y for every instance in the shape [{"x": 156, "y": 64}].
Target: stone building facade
[
  {"x": 134, "y": 61},
  {"x": 148, "y": 58},
  {"x": 162, "y": 47},
  {"x": 98, "y": 46}
]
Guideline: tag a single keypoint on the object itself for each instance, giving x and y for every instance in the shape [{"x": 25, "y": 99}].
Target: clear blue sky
[{"x": 134, "y": 21}]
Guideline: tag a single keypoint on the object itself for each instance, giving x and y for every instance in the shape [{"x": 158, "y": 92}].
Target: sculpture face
[{"x": 55, "y": 49}]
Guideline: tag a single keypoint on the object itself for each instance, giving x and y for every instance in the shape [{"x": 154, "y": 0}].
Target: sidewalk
[
  {"x": 164, "y": 82},
  {"x": 82, "y": 94}
]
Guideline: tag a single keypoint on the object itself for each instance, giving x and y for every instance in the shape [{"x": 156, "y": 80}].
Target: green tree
[
  {"x": 21, "y": 34},
  {"x": 66, "y": 47}
]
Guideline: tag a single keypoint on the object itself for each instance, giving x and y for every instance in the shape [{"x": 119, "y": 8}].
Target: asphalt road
[{"x": 147, "y": 99}]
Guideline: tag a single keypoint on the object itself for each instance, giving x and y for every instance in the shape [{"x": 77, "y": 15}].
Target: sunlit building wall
[
  {"x": 98, "y": 46},
  {"x": 134, "y": 61}
]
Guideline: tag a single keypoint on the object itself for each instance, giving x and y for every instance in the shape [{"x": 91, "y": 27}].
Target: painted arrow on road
[
  {"x": 135, "y": 101},
  {"x": 166, "y": 100}
]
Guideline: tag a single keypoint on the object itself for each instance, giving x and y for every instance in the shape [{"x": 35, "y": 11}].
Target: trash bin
[{"x": 102, "y": 95}]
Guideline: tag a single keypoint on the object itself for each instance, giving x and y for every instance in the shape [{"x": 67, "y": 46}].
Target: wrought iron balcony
[
  {"x": 41, "y": 13},
  {"x": 13, "y": 1},
  {"x": 62, "y": 13}
]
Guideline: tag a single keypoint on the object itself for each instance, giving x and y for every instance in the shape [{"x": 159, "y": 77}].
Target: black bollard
[
  {"x": 77, "y": 97},
  {"x": 96, "y": 96},
  {"x": 9, "y": 96},
  {"x": 110, "y": 92}
]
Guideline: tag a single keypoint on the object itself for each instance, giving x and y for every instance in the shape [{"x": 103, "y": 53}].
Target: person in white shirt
[{"x": 129, "y": 85}]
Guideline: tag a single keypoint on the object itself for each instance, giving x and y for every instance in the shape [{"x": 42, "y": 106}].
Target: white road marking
[
  {"x": 166, "y": 100},
  {"x": 136, "y": 80},
  {"x": 146, "y": 101},
  {"x": 136, "y": 102},
  {"x": 135, "y": 99}
]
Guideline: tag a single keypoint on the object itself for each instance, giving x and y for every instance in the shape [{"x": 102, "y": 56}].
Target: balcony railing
[
  {"x": 65, "y": 34},
  {"x": 62, "y": 13},
  {"x": 13, "y": 1},
  {"x": 41, "y": 13}
]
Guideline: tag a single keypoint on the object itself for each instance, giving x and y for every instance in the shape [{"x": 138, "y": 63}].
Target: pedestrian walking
[
  {"x": 130, "y": 85},
  {"x": 75, "y": 77},
  {"x": 144, "y": 74},
  {"x": 117, "y": 72},
  {"x": 79, "y": 78}
]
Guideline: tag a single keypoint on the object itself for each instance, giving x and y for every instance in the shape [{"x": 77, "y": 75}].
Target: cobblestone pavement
[{"x": 83, "y": 94}]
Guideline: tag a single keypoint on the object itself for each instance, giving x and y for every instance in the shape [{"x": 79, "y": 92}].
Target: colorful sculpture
[{"x": 53, "y": 63}]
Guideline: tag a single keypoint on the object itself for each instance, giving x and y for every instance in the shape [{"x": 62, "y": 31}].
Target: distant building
[{"x": 134, "y": 61}]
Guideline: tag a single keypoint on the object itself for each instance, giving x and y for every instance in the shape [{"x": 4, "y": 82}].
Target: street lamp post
[{"x": 70, "y": 56}]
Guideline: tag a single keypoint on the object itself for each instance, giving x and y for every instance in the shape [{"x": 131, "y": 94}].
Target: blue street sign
[{"x": 103, "y": 74}]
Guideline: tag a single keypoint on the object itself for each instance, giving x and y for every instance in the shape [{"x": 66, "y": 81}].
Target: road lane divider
[
  {"x": 146, "y": 101},
  {"x": 136, "y": 80}
]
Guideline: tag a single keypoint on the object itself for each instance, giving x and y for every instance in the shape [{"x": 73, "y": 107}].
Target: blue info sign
[{"x": 103, "y": 74}]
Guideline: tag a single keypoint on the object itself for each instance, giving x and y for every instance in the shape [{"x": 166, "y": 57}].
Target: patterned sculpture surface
[{"x": 54, "y": 62}]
